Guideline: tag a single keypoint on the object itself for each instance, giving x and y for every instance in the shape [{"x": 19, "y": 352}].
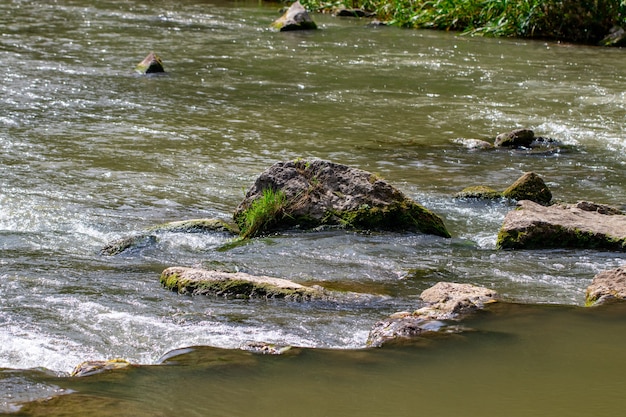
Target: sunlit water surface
[{"x": 91, "y": 151}]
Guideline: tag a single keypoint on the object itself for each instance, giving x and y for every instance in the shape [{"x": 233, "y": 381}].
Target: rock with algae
[
  {"x": 195, "y": 281},
  {"x": 583, "y": 225},
  {"x": 322, "y": 193},
  {"x": 151, "y": 64}
]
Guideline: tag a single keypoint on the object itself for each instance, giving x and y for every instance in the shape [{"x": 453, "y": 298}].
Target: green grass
[
  {"x": 262, "y": 212},
  {"x": 583, "y": 21}
]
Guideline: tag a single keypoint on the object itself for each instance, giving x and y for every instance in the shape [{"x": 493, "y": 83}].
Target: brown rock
[{"x": 607, "y": 286}]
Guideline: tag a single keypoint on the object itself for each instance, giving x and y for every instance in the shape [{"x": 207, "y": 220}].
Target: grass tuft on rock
[{"x": 262, "y": 212}]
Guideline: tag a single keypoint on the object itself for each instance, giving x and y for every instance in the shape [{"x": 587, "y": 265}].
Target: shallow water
[{"x": 92, "y": 152}]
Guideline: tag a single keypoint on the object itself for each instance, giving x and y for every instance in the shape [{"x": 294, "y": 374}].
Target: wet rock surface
[
  {"x": 581, "y": 225},
  {"x": 607, "y": 286},
  {"x": 295, "y": 18},
  {"x": 322, "y": 193},
  {"x": 445, "y": 302}
]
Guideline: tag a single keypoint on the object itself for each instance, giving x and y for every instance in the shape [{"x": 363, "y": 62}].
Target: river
[{"x": 90, "y": 151}]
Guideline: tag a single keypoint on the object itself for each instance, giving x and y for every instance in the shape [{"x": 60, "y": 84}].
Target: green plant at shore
[
  {"x": 262, "y": 212},
  {"x": 585, "y": 21}
]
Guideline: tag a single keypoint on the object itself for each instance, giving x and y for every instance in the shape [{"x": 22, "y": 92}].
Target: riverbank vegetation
[{"x": 581, "y": 21}]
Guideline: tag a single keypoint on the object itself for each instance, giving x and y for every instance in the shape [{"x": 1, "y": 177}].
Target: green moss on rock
[{"x": 479, "y": 192}]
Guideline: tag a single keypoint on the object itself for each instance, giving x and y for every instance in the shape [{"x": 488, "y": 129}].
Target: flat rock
[
  {"x": 321, "y": 193},
  {"x": 582, "y": 225},
  {"x": 607, "y": 286},
  {"x": 88, "y": 368},
  {"x": 445, "y": 301},
  {"x": 195, "y": 281}
]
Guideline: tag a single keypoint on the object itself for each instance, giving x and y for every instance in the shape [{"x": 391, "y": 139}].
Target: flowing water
[{"x": 91, "y": 152}]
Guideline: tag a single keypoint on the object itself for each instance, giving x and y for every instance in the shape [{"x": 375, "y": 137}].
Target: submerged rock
[
  {"x": 607, "y": 286},
  {"x": 473, "y": 144},
  {"x": 151, "y": 64},
  {"x": 266, "y": 348},
  {"x": 321, "y": 193},
  {"x": 445, "y": 301},
  {"x": 581, "y": 225},
  {"x": 196, "y": 281},
  {"x": 295, "y": 18},
  {"x": 150, "y": 236},
  {"x": 531, "y": 187},
  {"x": 95, "y": 367}
]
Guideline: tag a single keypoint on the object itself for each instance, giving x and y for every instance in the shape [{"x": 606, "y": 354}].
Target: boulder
[
  {"x": 515, "y": 139},
  {"x": 95, "y": 367},
  {"x": 295, "y": 18},
  {"x": 445, "y": 301},
  {"x": 607, "y": 286},
  {"x": 150, "y": 236},
  {"x": 194, "y": 281},
  {"x": 531, "y": 187},
  {"x": 321, "y": 193},
  {"x": 582, "y": 225},
  {"x": 151, "y": 64}
]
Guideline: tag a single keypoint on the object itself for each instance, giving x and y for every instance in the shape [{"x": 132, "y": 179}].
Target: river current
[{"x": 91, "y": 151}]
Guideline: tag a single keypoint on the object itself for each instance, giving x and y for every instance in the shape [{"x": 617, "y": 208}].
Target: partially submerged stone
[
  {"x": 582, "y": 225},
  {"x": 151, "y": 64},
  {"x": 321, "y": 193},
  {"x": 473, "y": 144},
  {"x": 150, "y": 236},
  {"x": 343, "y": 11},
  {"x": 445, "y": 301},
  {"x": 88, "y": 368},
  {"x": 515, "y": 139},
  {"x": 531, "y": 187},
  {"x": 195, "y": 281},
  {"x": 295, "y": 18},
  {"x": 616, "y": 37},
  {"x": 607, "y": 286},
  {"x": 266, "y": 348},
  {"x": 479, "y": 192}
]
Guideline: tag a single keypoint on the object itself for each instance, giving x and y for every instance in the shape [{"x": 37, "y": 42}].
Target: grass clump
[
  {"x": 263, "y": 212},
  {"x": 581, "y": 21}
]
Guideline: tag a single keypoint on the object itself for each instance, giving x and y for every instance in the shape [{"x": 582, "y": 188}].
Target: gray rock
[
  {"x": 194, "y": 281},
  {"x": 445, "y": 301},
  {"x": 295, "y": 18},
  {"x": 607, "y": 286},
  {"x": 151, "y": 64},
  {"x": 533, "y": 226},
  {"x": 515, "y": 139},
  {"x": 321, "y": 193}
]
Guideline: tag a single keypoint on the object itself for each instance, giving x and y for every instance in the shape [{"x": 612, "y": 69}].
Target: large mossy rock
[
  {"x": 295, "y": 18},
  {"x": 445, "y": 301},
  {"x": 195, "y": 281},
  {"x": 607, "y": 286},
  {"x": 321, "y": 193},
  {"x": 582, "y": 225}
]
